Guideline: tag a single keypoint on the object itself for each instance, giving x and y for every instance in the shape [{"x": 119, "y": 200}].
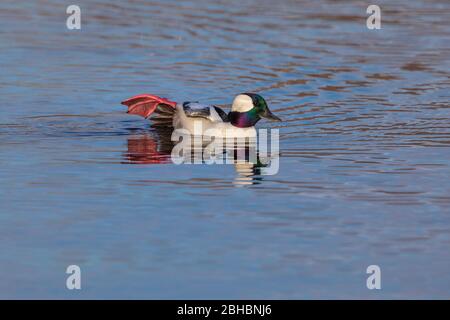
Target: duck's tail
[{"x": 145, "y": 105}]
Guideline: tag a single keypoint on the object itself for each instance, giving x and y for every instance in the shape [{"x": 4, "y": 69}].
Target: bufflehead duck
[{"x": 247, "y": 109}]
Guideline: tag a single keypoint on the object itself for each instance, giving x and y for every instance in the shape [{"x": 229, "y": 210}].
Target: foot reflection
[{"x": 151, "y": 147}]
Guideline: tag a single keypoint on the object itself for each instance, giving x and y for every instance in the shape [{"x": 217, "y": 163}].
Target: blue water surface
[{"x": 365, "y": 151}]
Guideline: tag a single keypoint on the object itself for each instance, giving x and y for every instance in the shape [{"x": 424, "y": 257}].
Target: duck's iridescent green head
[{"x": 248, "y": 109}]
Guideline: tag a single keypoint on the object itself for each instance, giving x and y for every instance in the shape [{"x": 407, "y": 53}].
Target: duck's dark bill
[{"x": 270, "y": 116}]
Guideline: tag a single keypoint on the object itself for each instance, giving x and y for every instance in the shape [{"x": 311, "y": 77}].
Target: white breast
[{"x": 229, "y": 131}]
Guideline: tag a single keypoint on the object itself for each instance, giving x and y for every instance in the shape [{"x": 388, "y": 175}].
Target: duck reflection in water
[{"x": 155, "y": 147}]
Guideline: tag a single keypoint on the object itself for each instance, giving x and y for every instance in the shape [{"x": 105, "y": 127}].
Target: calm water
[{"x": 364, "y": 172}]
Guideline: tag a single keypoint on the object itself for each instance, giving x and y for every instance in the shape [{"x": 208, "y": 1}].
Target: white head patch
[{"x": 242, "y": 103}]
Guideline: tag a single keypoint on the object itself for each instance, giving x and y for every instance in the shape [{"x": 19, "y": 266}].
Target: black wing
[{"x": 222, "y": 114}]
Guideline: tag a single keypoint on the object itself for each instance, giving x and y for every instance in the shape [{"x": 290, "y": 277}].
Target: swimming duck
[{"x": 246, "y": 110}]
